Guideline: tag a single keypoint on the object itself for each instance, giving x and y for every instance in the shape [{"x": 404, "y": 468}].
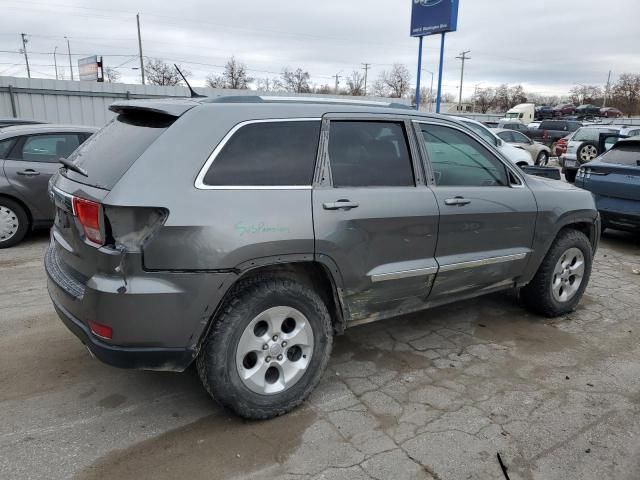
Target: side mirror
[{"x": 499, "y": 142}]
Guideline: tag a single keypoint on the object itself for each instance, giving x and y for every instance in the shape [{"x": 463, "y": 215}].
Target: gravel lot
[{"x": 434, "y": 395}]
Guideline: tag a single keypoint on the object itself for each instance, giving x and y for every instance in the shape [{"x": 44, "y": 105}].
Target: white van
[{"x": 525, "y": 113}]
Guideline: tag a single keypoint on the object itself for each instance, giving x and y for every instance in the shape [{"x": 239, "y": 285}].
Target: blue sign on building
[{"x": 433, "y": 16}]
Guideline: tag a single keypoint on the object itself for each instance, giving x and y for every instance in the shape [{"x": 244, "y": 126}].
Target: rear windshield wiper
[{"x": 72, "y": 166}]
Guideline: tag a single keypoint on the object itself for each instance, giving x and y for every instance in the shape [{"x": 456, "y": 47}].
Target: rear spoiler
[{"x": 172, "y": 108}]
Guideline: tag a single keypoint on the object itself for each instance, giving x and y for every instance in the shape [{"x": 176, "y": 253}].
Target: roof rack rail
[{"x": 303, "y": 99}]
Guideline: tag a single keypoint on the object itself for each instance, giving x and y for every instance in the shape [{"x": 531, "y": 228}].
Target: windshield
[
  {"x": 108, "y": 154},
  {"x": 483, "y": 132},
  {"x": 513, "y": 115}
]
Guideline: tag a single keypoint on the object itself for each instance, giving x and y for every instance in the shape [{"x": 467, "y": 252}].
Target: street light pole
[
  {"x": 24, "y": 50},
  {"x": 69, "y": 51},
  {"x": 55, "y": 62}
]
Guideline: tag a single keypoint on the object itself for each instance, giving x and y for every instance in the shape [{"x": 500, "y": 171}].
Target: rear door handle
[
  {"x": 340, "y": 205},
  {"x": 457, "y": 201},
  {"x": 29, "y": 173}
]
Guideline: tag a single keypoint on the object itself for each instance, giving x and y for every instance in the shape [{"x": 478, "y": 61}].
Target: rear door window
[
  {"x": 369, "y": 154},
  {"x": 109, "y": 153},
  {"x": 267, "y": 154},
  {"x": 47, "y": 148}
]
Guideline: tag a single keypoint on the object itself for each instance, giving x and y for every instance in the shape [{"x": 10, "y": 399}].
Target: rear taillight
[
  {"x": 88, "y": 213},
  {"x": 102, "y": 331}
]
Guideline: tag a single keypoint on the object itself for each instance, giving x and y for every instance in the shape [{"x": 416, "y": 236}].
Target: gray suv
[{"x": 243, "y": 233}]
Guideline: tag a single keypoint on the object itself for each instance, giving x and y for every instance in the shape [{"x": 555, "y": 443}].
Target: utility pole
[
  {"x": 338, "y": 77},
  {"x": 24, "y": 50},
  {"x": 606, "y": 91},
  {"x": 140, "y": 48},
  {"x": 366, "y": 67},
  {"x": 55, "y": 62},
  {"x": 463, "y": 57},
  {"x": 69, "y": 51}
]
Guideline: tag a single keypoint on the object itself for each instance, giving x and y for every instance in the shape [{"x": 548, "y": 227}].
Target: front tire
[
  {"x": 14, "y": 223},
  {"x": 267, "y": 348},
  {"x": 563, "y": 276}
]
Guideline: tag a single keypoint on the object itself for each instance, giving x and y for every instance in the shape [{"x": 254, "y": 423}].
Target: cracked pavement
[{"x": 433, "y": 395}]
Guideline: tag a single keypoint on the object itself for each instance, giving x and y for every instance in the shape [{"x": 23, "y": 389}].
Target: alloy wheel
[
  {"x": 274, "y": 350},
  {"x": 568, "y": 275},
  {"x": 589, "y": 152}
]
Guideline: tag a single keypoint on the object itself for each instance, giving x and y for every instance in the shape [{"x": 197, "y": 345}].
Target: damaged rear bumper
[{"x": 165, "y": 359}]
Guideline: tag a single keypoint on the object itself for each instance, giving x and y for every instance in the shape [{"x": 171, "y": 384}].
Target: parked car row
[{"x": 544, "y": 112}]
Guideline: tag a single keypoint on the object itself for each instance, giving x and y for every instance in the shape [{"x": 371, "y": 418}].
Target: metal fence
[{"x": 87, "y": 103}]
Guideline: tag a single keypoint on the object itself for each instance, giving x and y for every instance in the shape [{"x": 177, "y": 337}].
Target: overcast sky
[{"x": 546, "y": 45}]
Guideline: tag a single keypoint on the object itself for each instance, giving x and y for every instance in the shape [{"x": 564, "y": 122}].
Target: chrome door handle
[
  {"x": 29, "y": 173},
  {"x": 457, "y": 201},
  {"x": 340, "y": 205}
]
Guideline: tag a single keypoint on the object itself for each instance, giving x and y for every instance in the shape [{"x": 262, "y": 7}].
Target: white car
[{"x": 517, "y": 155}]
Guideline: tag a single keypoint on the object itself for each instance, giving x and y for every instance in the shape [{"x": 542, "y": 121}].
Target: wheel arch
[
  {"x": 588, "y": 225},
  {"x": 319, "y": 274}
]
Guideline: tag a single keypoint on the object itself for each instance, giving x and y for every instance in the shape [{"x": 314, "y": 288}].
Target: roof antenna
[{"x": 193, "y": 93}]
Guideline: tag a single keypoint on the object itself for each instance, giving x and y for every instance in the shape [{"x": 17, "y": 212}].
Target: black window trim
[
  {"x": 199, "y": 181},
  {"x": 511, "y": 170},
  {"x": 413, "y": 148}
]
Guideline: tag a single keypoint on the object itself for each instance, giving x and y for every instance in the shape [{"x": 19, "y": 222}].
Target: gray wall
[{"x": 86, "y": 103}]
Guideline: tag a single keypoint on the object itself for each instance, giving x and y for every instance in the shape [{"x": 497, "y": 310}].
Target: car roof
[
  {"x": 29, "y": 129},
  {"x": 266, "y": 107}
]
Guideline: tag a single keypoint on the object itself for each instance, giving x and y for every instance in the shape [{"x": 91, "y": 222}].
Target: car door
[
  {"x": 487, "y": 213},
  {"x": 32, "y": 162},
  {"x": 374, "y": 218}
]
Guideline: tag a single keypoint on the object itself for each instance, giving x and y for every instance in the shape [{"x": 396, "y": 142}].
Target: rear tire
[
  {"x": 563, "y": 276},
  {"x": 267, "y": 348},
  {"x": 14, "y": 223}
]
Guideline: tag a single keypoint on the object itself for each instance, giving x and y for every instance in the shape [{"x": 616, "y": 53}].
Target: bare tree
[
  {"x": 269, "y": 85},
  {"x": 394, "y": 83},
  {"x": 626, "y": 93},
  {"x": 111, "y": 75},
  {"x": 160, "y": 73},
  {"x": 296, "y": 81},
  {"x": 324, "y": 90},
  {"x": 517, "y": 95},
  {"x": 581, "y": 94},
  {"x": 425, "y": 97},
  {"x": 484, "y": 99},
  {"x": 234, "y": 76},
  {"x": 355, "y": 84}
]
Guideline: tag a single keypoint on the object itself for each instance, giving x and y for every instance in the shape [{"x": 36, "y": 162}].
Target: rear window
[
  {"x": 267, "y": 154},
  {"x": 110, "y": 152},
  {"x": 590, "y": 134},
  {"x": 627, "y": 154}
]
